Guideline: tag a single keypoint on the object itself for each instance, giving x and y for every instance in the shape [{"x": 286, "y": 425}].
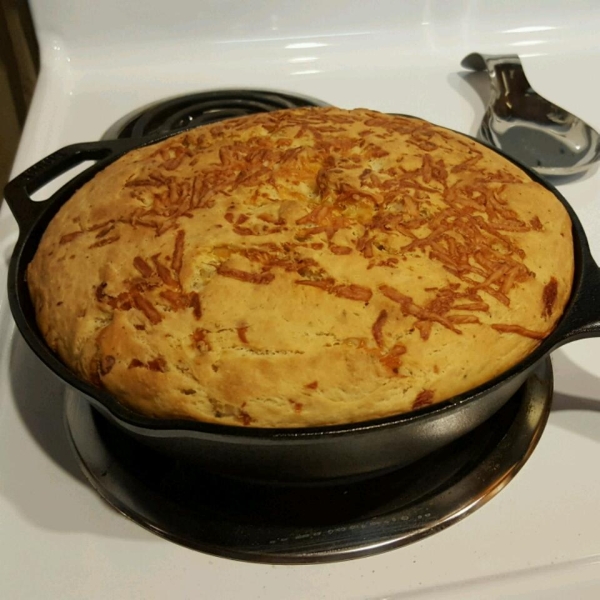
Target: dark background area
[{"x": 19, "y": 65}]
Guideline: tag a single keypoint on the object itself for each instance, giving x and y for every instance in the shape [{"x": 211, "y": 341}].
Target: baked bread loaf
[{"x": 302, "y": 267}]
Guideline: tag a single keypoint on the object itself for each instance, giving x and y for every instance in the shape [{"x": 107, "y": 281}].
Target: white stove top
[{"x": 540, "y": 537}]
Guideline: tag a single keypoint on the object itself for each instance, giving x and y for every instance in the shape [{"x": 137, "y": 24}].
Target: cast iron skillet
[{"x": 315, "y": 454}]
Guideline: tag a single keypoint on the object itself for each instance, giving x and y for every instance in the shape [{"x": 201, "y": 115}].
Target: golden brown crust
[{"x": 302, "y": 267}]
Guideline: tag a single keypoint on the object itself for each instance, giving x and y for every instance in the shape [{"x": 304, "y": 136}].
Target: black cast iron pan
[{"x": 281, "y": 455}]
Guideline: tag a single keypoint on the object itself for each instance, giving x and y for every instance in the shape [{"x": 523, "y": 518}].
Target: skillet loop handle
[{"x": 18, "y": 191}]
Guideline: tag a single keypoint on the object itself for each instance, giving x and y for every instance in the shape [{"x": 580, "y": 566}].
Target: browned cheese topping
[{"x": 302, "y": 267}]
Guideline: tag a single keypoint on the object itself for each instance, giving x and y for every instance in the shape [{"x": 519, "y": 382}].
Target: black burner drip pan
[{"x": 302, "y": 524}]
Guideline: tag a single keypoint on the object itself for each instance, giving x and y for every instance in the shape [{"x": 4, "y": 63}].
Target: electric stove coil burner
[
  {"x": 193, "y": 110},
  {"x": 301, "y": 524}
]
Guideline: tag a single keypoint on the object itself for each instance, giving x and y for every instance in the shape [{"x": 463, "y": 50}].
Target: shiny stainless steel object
[{"x": 541, "y": 135}]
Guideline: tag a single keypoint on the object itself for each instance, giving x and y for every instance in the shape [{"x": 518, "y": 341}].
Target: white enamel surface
[{"x": 540, "y": 537}]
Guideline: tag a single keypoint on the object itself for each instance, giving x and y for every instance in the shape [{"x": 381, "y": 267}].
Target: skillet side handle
[
  {"x": 583, "y": 320},
  {"x": 18, "y": 191}
]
